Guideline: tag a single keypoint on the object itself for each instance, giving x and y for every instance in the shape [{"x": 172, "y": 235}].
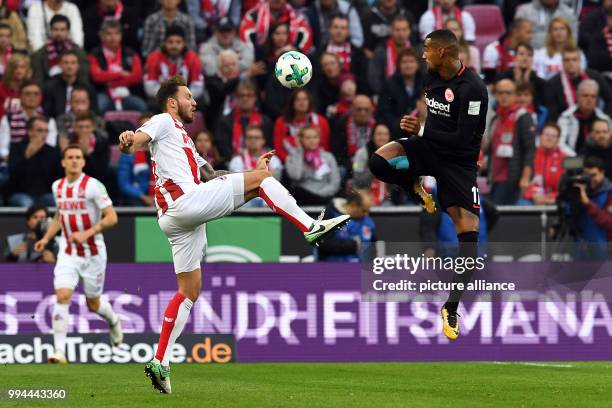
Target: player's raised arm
[{"x": 130, "y": 140}]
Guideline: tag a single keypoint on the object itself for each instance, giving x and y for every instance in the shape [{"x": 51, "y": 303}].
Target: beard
[{"x": 185, "y": 114}]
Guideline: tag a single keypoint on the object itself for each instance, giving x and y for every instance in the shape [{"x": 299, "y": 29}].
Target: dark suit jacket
[
  {"x": 395, "y": 102},
  {"x": 556, "y": 99},
  {"x": 224, "y": 134}
]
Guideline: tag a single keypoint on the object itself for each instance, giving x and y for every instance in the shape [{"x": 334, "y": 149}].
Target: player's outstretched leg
[
  {"x": 60, "y": 325},
  {"x": 467, "y": 225},
  {"x": 390, "y": 165},
  {"x": 175, "y": 317},
  {"x": 261, "y": 183},
  {"x": 103, "y": 309}
]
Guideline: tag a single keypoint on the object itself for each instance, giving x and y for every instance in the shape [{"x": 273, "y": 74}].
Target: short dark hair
[
  {"x": 524, "y": 87},
  {"x": 34, "y": 119},
  {"x": 593, "y": 162},
  {"x": 6, "y": 27},
  {"x": 406, "y": 52},
  {"x": 83, "y": 116},
  {"x": 398, "y": 19},
  {"x": 69, "y": 52},
  {"x": 59, "y": 18},
  {"x": 79, "y": 88},
  {"x": 72, "y": 146},
  {"x": 28, "y": 84},
  {"x": 110, "y": 23},
  {"x": 257, "y": 128},
  {"x": 554, "y": 126},
  {"x": 168, "y": 89},
  {"x": 444, "y": 39},
  {"x": 354, "y": 197},
  {"x": 247, "y": 84},
  {"x": 175, "y": 29},
  {"x": 34, "y": 208},
  {"x": 570, "y": 49},
  {"x": 525, "y": 45},
  {"x": 337, "y": 15},
  {"x": 602, "y": 121}
]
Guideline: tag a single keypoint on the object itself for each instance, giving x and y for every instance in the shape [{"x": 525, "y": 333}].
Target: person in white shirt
[
  {"x": 39, "y": 17},
  {"x": 434, "y": 19},
  {"x": 547, "y": 61}
]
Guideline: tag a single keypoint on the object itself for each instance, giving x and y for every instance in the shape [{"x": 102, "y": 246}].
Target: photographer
[
  {"x": 595, "y": 216},
  {"x": 21, "y": 246}
]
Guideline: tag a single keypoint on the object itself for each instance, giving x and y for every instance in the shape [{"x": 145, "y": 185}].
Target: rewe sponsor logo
[{"x": 432, "y": 103}]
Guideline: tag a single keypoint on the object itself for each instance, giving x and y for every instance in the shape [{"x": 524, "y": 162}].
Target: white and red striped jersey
[
  {"x": 175, "y": 161},
  {"x": 80, "y": 204}
]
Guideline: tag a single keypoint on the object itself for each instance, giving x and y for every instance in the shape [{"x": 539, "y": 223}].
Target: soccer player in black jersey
[{"x": 447, "y": 148}]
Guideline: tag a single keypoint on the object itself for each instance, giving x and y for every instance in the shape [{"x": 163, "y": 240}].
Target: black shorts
[{"x": 456, "y": 181}]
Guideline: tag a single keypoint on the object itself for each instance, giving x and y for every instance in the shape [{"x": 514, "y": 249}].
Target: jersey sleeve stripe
[{"x": 91, "y": 242}]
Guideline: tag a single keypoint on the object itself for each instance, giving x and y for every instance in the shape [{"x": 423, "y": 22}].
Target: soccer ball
[{"x": 293, "y": 70}]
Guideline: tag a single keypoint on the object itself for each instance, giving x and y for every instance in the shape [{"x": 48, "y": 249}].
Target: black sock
[
  {"x": 385, "y": 172},
  {"x": 468, "y": 248}
]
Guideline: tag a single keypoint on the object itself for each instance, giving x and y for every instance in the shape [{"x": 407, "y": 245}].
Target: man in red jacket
[{"x": 116, "y": 71}]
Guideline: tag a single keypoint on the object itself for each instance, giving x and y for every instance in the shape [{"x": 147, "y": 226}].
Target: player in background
[
  {"x": 185, "y": 205},
  {"x": 84, "y": 210},
  {"x": 447, "y": 148}
]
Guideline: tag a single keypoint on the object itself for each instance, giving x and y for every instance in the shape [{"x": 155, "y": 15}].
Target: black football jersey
[{"x": 457, "y": 111}]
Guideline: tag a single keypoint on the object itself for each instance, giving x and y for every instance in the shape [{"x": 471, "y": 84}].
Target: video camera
[{"x": 573, "y": 174}]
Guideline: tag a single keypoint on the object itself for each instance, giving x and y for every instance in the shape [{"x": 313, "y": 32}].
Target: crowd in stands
[{"x": 83, "y": 71}]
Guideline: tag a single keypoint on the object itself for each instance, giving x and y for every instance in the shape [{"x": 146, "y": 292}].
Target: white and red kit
[{"x": 80, "y": 204}]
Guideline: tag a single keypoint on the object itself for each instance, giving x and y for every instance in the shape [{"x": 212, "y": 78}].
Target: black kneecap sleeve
[{"x": 382, "y": 170}]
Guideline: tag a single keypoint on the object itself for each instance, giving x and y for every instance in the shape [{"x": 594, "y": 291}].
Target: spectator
[
  {"x": 349, "y": 244},
  {"x": 348, "y": 91},
  {"x": 547, "y": 169},
  {"x": 277, "y": 43},
  {"x": 561, "y": 89},
  {"x": 224, "y": 38},
  {"x": 474, "y": 54},
  {"x": 600, "y": 48},
  {"x": 524, "y": 98},
  {"x": 33, "y": 167},
  {"x": 377, "y": 24},
  {"x": 221, "y": 87},
  {"x": 499, "y": 56},
  {"x": 522, "y": 72},
  {"x": 299, "y": 112},
  {"x": 592, "y": 24},
  {"x": 58, "y": 89},
  {"x": 576, "y": 122},
  {"x": 207, "y": 15},
  {"x": 230, "y": 132},
  {"x": 116, "y": 71},
  {"x": 174, "y": 57},
  {"x": 79, "y": 103},
  {"x": 255, "y": 142},
  {"x": 353, "y": 131},
  {"x": 362, "y": 176},
  {"x": 17, "y": 35},
  {"x": 548, "y": 61},
  {"x": 320, "y": 14},
  {"x": 383, "y": 64},
  {"x": 18, "y": 72},
  {"x": 135, "y": 178},
  {"x": 434, "y": 19},
  {"x": 40, "y": 15},
  {"x": 312, "y": 170},
  {"x": 157, "y": 24},
  {"x": 13, "y": 124},
  {"x": 46, "y": 61},
  {"x": 540, "y": 13},
  {"x": 257, "y": 21},
  {"x": 98, "y": 12},
  {"x": 205, "y": 146},
  {"x": 400, "y": 91},
  {"x": 594, "y": 219},
  {"x": 6, "y": 48},
  {"x": 352, "y": 58},
  {"x": 510, "y": 146},
  {"x": 598, "y": 144},
  {"x": 327, "y": 85},
  {"x": 20, "y": 247},
  {"x": 96, "y": 149}
]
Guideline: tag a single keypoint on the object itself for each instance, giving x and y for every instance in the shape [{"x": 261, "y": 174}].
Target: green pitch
[{"x": 371, "y": 385}]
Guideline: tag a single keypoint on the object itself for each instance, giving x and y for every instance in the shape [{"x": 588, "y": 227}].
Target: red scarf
[
  {"x": 355, "y": 138},
  {"x": 503, "y": 134},
  {"x": 113, "y": 63},
  {"x": 439, "y": 16},
  {"x": 608, "y": 36},
  {"x": 248, "y": 162},
  {"x": 569, "y": 90},
  {"x": 392, "y": 56},
  {"x": 290, "y": 139},
  {"x": 264, "y": 17},
  {"x": 313, "y": 158},
  {"x": 117, "y": 14},
  {"x": 238, "y": 131},
  {"x": 54, "y": 50},
  {"x": 379, "y": 191},
  {"x": 343, "y": 51},
  {"x": 506, "y": 56}
]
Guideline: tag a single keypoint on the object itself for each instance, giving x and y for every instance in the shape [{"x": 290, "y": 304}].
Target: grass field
[{"x": 372, "y": 385}]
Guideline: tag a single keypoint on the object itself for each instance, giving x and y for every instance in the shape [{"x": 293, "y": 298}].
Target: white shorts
[
  {"x": 184, "y": 221},
  {"x": 69, "y": 268}
]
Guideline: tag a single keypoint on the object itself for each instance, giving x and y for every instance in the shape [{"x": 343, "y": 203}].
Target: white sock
[
  {"x": 179, "y": 325},
  {"x": 105, "y": 311},
  {"x": 60, "y": 327},
  {"x": 282, "y": 202}
]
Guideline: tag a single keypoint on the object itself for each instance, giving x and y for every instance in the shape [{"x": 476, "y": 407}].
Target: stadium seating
[
  {"x": 490, "y": 24},
  {"x": 128, "y": 116}
]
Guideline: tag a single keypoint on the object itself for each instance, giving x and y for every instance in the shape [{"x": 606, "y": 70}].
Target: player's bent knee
[
  {"x": 63, "y": 296},
  {"x": 92, "y": 304}
]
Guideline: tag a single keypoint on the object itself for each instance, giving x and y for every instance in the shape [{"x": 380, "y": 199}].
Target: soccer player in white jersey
[
  {"x": 84, "y": 210},
  {"x": 185, "y": 204}
]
